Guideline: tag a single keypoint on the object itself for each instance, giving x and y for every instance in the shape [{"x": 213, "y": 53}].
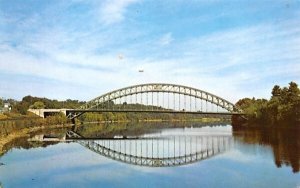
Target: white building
[{"x": 6, "y": 107}]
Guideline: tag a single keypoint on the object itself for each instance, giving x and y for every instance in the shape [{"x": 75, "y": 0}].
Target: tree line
[
  {"x": 19, "y": 110},
  {"x": 282, "y": 108},
  {"x": 37, "y": 103}
]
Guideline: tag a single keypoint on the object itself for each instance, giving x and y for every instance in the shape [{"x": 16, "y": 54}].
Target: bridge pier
[{"x": 46, "y": 112}]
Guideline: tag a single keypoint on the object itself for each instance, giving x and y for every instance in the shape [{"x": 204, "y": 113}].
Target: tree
[
  {"x": 276, "y": 91},
  {"x": 38, "y": 105},
  {"x": 293, "y": 91},
  {"x": 293, "y": 88},
  {"x": 21, "y": 107}
]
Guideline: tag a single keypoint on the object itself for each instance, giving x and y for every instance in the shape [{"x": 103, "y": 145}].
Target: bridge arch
[
  {"x": 161, "y": 88},
  {"x": 159, "y": 152}
]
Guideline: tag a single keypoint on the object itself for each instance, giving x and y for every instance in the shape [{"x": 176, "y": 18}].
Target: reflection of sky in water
[{"x": 72, "y": 165}]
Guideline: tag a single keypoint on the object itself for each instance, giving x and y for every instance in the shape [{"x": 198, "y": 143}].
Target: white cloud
[{"x": 112, "y": 11}]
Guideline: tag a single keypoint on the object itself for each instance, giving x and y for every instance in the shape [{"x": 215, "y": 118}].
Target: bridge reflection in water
[{"x": 156, "y": 151}]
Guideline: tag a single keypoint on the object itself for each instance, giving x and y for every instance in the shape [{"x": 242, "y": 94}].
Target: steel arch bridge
[
  {"x": 158, "y": 98},
  {"x": 157, "y": 151}
]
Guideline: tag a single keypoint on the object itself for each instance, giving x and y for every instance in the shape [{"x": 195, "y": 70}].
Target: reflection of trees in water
[
  {"x": 285, "y": 143},
  {"x": 134, "y": 129},
  {"x": 22, "y": 143}
]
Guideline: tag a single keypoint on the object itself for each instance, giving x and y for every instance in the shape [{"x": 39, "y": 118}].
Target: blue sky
[{"x": 81, "y": 49}]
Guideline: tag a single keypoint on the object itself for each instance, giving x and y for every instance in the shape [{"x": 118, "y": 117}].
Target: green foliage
[
  {"x": 35, "y": 102},
  {"x": 21, "y": 107},
  {"x": 276, "y": 91},
  {"x": 284, "y": 106},
  {"x": 59, "y": 119},
  {"x": 135, "y": 117},
  {"x": 15, "y": 122},
  {"x": 37, "y": 105}
]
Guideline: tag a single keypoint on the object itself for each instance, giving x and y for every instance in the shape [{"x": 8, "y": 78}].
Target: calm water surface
[{"x": 152, "y": 155}]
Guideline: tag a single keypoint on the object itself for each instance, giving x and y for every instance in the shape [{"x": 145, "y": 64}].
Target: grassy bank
[{"x": 14, "y": 122}]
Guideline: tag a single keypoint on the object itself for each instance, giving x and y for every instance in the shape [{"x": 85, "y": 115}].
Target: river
[{"x": 153, "y": 155}]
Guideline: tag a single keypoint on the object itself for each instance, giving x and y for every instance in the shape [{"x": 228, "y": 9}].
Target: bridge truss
[{"x": 158, "y": 98}]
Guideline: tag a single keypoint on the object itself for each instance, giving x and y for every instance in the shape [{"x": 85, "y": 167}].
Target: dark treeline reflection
[
  {"x": 135, "y": 129},
  {"x": 23, "y": 143},
  {"x": 285, "y": 143}
]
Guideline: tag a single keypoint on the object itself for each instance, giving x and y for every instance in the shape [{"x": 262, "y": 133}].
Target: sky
[{"x": 81, "y": 49}]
